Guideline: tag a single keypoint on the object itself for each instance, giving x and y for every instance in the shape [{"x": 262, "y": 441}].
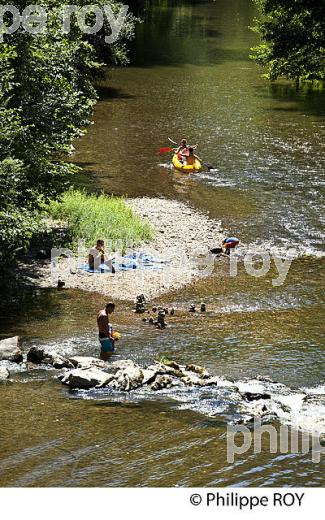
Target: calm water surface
[{"x": 190, "y": 75}]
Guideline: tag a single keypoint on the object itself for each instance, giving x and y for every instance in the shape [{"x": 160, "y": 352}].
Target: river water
[{"x": 190, "y": 74}]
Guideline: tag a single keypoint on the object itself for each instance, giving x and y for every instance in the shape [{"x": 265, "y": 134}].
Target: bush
[{"x": 92, "y": 217}]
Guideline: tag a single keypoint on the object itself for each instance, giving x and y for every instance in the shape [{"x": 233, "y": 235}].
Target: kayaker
[
  {"x": 191, "y": 158},
  {"x": 105, "y": 330},
  {"x": 184, "y": 147}
]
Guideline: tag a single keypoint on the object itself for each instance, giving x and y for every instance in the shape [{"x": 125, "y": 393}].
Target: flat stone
[
  {"x": 10, "y": 350},
  {"x": 86, "y": 378},
  {"x": 87, "y": 362}
]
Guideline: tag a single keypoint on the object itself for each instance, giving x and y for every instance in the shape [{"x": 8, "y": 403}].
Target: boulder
[
  {"x": 86, "y": 378},
  {"x": 169, "y": 363},
  {"x": 4, "y": 373},
  {"x": 161, "y": 368},
  {"x": 58, "y": 361},
  {"x": 255, "y": 397},
  {"x": 162, "y": 381},
  {"x": 36, "y": 355},
  {"x": 149, "y": 375},
  {"x": 192, "y": 380},
  {"x": 123, "y": 364},
  {"x": 10, "y": 350},
  {"x": 129, "y": 378},
  {"x": 87, "y": 362},
  {"x": 202, "y": 372}
]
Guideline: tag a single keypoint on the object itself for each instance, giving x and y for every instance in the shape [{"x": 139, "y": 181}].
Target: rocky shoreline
[{"x": 183, "y": 239}]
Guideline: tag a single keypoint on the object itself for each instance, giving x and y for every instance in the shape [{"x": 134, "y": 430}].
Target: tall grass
[{"x": 93, "y": 217}]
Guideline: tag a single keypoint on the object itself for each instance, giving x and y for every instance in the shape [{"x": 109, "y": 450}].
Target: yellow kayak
[{"x": 188, "y": 168}]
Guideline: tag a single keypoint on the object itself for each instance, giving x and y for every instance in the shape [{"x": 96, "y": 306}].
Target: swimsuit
[{"x": 107, "y": 345}]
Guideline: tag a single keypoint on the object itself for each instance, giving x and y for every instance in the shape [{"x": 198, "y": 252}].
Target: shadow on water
[
  {"x": 106, "y": 93},
  {"x": 304, "y": 99},
  {"x": 178, "y": 34}
]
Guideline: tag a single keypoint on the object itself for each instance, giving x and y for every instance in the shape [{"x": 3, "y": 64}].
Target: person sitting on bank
[
  {"x": 97, "y": 257},
  {"x": 105, "y": 331}
]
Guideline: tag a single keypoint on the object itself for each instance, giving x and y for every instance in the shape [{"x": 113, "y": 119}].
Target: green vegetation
[
  {"x": 293, "y": 36},
  {"x": 46, "y": 102},
  {"x": 91, "y": 217}
]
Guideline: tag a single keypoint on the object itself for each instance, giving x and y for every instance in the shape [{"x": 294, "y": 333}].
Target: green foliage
[
  {"x": 91, "y": 217},
  {"x": 293, "y": 39},
  {"x": 18, "y": 222},
  {"x": 46, "y": 102}
]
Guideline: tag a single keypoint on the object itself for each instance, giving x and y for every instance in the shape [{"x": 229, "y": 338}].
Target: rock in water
[
  {"x": 36, "y": 355},
  {"x": 198, "y": 370},
  {"x": 148, "y": 375},
  {"x": 58, "y": 362},
  {"x": 169, "y": 363},
  {"x": 128, "y": 378},
  {"x": 162, "y": 382},
  {"x": 86, "y": 378},
  {"x": 10, "y": 350},
  {"x": 87, "y": 362},
  {"x": 4, "y": 374},
  {"x": 255, "y": 397}
]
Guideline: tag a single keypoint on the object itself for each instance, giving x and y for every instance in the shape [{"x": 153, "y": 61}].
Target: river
[{"x": 190, "y": 75}]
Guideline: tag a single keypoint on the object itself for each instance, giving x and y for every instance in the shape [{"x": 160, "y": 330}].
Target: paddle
[
  {"x": 171, "y": 140},
  {"x": 209, "y": 166},
  {"x": 165, "y": 150}
]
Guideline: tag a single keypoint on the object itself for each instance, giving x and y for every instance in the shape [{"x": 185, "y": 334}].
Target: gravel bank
[{"x": 183, "y": 238}]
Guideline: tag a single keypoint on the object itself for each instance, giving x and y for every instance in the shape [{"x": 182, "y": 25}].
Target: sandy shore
[{"x": 183, "y": 238}]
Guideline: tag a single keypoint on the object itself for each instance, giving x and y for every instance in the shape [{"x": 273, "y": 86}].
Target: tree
[
  {"x": 293, "y": 35},
  {"x": 46, "y": 102}
]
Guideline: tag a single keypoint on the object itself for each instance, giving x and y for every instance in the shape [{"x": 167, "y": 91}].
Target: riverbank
[{"x": 182, "y": 239}]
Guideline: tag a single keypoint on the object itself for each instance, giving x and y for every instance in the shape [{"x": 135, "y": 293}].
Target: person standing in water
[{"x": 105, "y": 331}]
